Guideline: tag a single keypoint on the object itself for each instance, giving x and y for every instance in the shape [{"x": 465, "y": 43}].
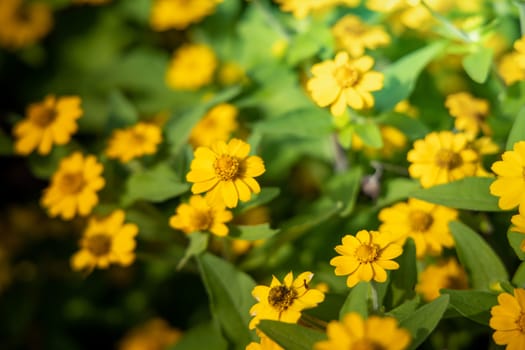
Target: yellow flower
[
  {"x": 199, "y": 215},
  {"x": 179, "y": 14},
  {"x": 509, "y": 68},
  {"x": 404, "y": 107},
  {"x": 366, "y": 256},
  {"x": 133, "y": 142},
  {"x": 49, "y": 122},
  {"x": 74, "y": 186},
  {"x": 155, "y": 334},
  {"x": 216, "y": 125},
  {"x": 231, "y": 73},
  {"x": 508, "y": 320},
  {"x": 341, "y": 82},
  {"x": 393, "y": 140},
  {"x": 301, "y": 8},
  {"x": 226, "y": 172},
  {"x": 23, "y": 23},
  {"x": 106, "y": 241},
  {"x": 373, "y": 333},
  {"x": 265, "y": 344},
  {"x": 284, "y": 301},
  {"x": 442, "y": 157},
  {"x": 447, "y": 274},
  {"x": 470, "y": 113},
  {"x": 353, "y": 35},
  {"x": 425, "y": 223},
  {"x": 510, "y": 182},
  {"x": 191, "y": 67}
]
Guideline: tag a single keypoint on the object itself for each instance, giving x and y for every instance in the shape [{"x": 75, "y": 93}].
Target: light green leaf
[
  {"x": 405, "y": 310},
  {"x": 307, "y": 44},
  {"x": 519, "y": 276},
  {"x": 517, "y": 132},
  {"x": 477, "y": 64},
  {"x": 203, "y": 336},
  {"x": 266, "y": 195},
  {"x": 397, "y": 189},
  {"x": 357, "y": 300},
  {"x": 198, "y": 244},
  {"x": 344, "y": 187},
  {"x": 370, "y": 134},
  {"x": 484, "y": 266},
  {"x": 471, "y": 193},
  {"x": 403, "y": 280},
  {"x": 473, "y": 304},
  {"x": 252, "y": 232},
  {"x": 411, "y": 127},
  {"x": 291, "y": 336},
  {"x": 515, "y": 239},
  {"x": 344, "y": 136},
  {"x": 309, "y": 122}
]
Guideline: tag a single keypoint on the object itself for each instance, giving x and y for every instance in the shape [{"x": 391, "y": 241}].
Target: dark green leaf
[
  {"x": 252, "y": 232},
  {"x": 203, "y": 336},
  {"x": 121, "y": 112},
  {"x": 370, "y": 134},
  {"x": 517, "y": 133},
  {"x": 405, "y": 310},
  {"x": 403, "y": 280},
  {"x": 6, "y": 144},
  {"x": 357, "y": 300},
  {"x": 473, "y": 304},
  {"x": 515, "y": 239},
  {"x": 477, "y": 64},
  {"x": 344, "y": 187},
  {"x": 291, "y": 336},
  {"x": 413, "y": 128},
  {"x": 198, "y": 244},
  {"x": 44, "y": 166}
]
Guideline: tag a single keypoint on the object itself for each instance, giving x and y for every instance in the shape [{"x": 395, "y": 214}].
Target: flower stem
[{"x": 341, "y": 162}]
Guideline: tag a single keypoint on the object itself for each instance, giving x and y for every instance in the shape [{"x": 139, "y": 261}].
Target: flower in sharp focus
[
  {"x": 344, "y": 82},
  {"x": 442, "y": 157},
  {"x": 133, "y": 142},
  {"x": 425, "y": 223},
  {"x": 226, "y": 172},
  {"x": 52, "y": 121},
  {"x": 366, "y": 256},
  {"x": 353, "y": 332},
  {"x": 217, "y": 125},
  {"x": 200, "y": 215},
  {"x": 470, "y": 113},
  {"x": 106, "y": 241},
  {"x": 179, "y": 14},
  {"x": 509, "y": 185},
  {"x": 447, "y": 274},
  {"x": 74, "y": 186},
  {"x": 191, "y": 67},
  {"x": 508, "y": 320},
  {"x": 284, "y": 301}
]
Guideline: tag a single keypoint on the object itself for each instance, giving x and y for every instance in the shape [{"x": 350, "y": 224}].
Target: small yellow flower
[
  {"x": 191, "y": 67},
  {"x": 284, "y": 301},
  {"x": 373, "y": 333},
  {"x": 353, "y": 35},
  {"x": 509, "y": 185},
  {"x": 425, "y": 223},
  {"x": 510, "y": 69},
  {"x": 133, "y": 142},
  {"x": 302, "y": 8},
  {"x": 442, "y": 157},
  {"x": 265, "y": 344},
  {"x": 447, "y": 274},
  {"x": 217, "y": 125},
  {"x": 470, "y": 113},
  {"x": 155, "y": 334},
  {"x": 231, "y": 73},
  {"x": 404, "y": 107},
  {"x": 341, "y": 82},
  {"x": 179, "y": 14},
  {"x": 226, "y": 172},
  {"x": 74, "y": 186},
  {"x": 106, "y": 241},
  {"x": 49, "y": 122},
  {"x": 366, "y": 256},
  {"x": 199, "y": 215},
  {"x": 393, "y": 141},
  {"x": 508, "y": 320}
]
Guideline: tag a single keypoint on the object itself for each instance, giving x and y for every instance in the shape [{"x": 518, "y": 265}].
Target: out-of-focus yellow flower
[
  {"x": 353, "y": 35},
  {"x": 49, "y": 122},
  {"x": 393, "y": 141},
  {"x": 22, "y": 23},
  {"x": 404, "y": 107},
  {"x": 155, "y": 334},
  {"x": 191, "y": 67},
  {"x": 133, "y": 142},
  {"x": 508, "y": 320},
  {"x": 231, "y": 73},
  {"x": 510, "y": 69},
  {"x": 509, "y": 185},
  {"x": 447, "y": 274},
  {"x": 278, "y": 48},
  {"x": 217, "y": 125},
  {"x": 179, "y": 14},
  {"x": 470, "y": 113},
  {"x": 302, "y": 8}
]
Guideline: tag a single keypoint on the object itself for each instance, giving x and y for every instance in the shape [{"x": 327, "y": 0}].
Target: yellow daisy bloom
[
  {"x": 265, "y": 344},
  {"x": 155, "y": 334},
  {"x": 353, "y": 332},
  {"x": 508, "y": 320},
  {"x": 302, "y": 8},
  {"x": 106, "y": 241},
  {"x": 133, "y": 142},
  {"x": 191, "y": 67},
  {"x": 199, "y": 215},
  {"x": 353, "y": 35},
  {"x": 366, "y": 256},
  {"x": 470, "y": 113},
  {"x": 510, "y": 182},
  {"x": 179, "y": 14},
  {"x": 284, "y": 301},
  {"x": 49, "y": 122},
  {"x": 216, "y": 125},
  {"x": 425, "y": 223},
  {"x": 23, "y": 23},
  {"x": 74, "y": 186},
  {"x": 343, "y": 82},
  {"x": 226, "y": 172},
  {"x": 442, "y": 157},
  {"x": 510, "y": 69},
  {"x": 447, "y": 274}
]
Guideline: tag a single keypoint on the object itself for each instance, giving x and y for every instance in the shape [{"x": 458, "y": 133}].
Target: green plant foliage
[
  {"x": 477, "y": 64},
  {"x": 344, "y": 187},
  {"x": 515, "y": 239},
  {"x": 357, "y": 300},
  {"x": 206, "y": 335},
  {"x": 474, "y": 305},
  {"x": 291, "y": 336},
  {"x": 517, "y": 133}
]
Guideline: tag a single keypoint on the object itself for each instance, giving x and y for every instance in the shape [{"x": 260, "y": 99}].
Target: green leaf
[
  {"x": 290, "y": 335},
  {"x": 471, "y": 193},
  {"x": 203, "y": 336},
  {"x": 397, "y": 189},
  {"x": 44, "y": 166},
  {"x": 370, "y": 134},
  {"x": 405, "y": 310},
  {"x": 307, "y": 44},
  {"x": 155, "y": 185},
  {"x": 403, "y": 280},
  {"x": 519, "y": 276},
  {"x": 252, "y": 232},
  {"x": 302, "y": 122},
  {"x": 473, "y": 304},
  {"x": 122, "y": 113},
  {"x": 344, "y": 136},
  {"x": 411, "y": 127},
  {"x": 477, "y": 64},
  {"x": 515, "y": 239},
  {"x": 517, "y": 132},
  {"x": 266, "y": 195},
  {"x": 357, "y": 300},
  {"x": 198, "y": 244},
  {"x": 484, "y": 266},
  {"x": 344, "y": 187},
  {"x": 423, "y": 321},
  {"x": 230, "y": 296},
  {"x": 153, "y": 225},
  {"x": 6, "y": 144}
]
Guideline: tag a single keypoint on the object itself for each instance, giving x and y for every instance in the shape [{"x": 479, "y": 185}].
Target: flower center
[
  {"x": 346, "y": 76},
  {"x": 137, "y": 138},
  {"x": 45, "y": 118},
  {"x": 98, "y": 244},
  {"x": 226, "y": 167},
  {"x": 354, "y": 29},
  {"x": 448, "y": 159},
  {"x": 420, "y": 221},
  {"x": 202, "y": 219},
  {"x": 72, "y": 183},
  {"x": 454, "y": 282},
  {"x": 366, "y": 253},
  {"x": 366, "y": 344},
  {"x": 281, "y": 297}
]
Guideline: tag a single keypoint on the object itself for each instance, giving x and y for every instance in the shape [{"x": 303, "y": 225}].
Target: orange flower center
[
  {"x": 137, "y": 138},
  {"x": 455, "y": 282},
  {"x": 366, "y": 344},
  {"x": 366, "y": 253},
  {"x": 45, "y": 118},
  {"x": 521, "y": 322},
  {"x": 72, "y": 183},
  {"x": 354, "y": 29},
  {"x": 226, "y": 167},
  {"x": 98, "y": 244},
  {"x": 346, "y": 76},
  {"x": 281, "y": 297},
  {"x": 202, "y": 219},
  {"x": 420, "y": 221},
  {"x": 448, "y": 159}
]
